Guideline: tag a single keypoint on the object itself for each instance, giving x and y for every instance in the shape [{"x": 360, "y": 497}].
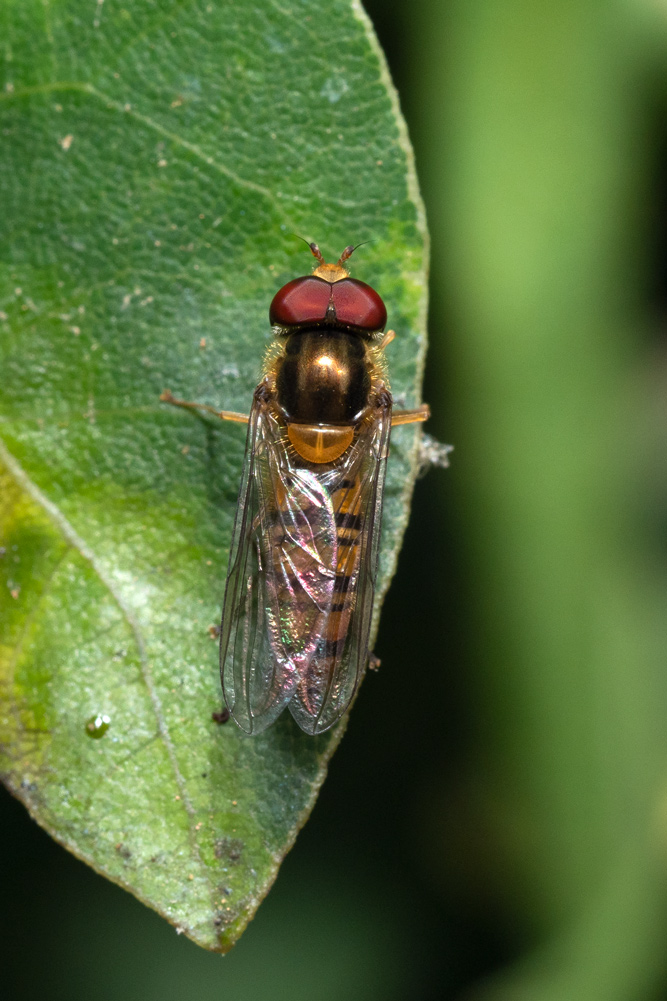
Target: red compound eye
[
  {"x": 303, "y": 300},
  {"x": 358, "y": 305}
]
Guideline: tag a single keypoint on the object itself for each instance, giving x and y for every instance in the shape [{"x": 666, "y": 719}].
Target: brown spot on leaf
[{"x": 229, "y": 848}]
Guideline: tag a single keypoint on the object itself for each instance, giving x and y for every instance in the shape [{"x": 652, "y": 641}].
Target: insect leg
[
  {"x": 224, "y": 415},
  {"x": 410, "y": 416},
  {"x": 387, "y": 339}
]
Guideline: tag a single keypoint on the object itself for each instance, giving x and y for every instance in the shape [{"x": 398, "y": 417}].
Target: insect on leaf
[{"x": 156, "y": 162}]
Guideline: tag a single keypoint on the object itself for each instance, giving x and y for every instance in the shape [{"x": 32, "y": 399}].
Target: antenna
[
  {"x": 349, "y": 251},
  {"x": 316, "y": 252}
]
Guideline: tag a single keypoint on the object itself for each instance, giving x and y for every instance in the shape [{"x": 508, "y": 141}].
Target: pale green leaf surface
[{"x": 156, "y": 159}]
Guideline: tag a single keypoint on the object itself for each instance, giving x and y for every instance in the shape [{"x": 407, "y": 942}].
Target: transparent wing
[
  {"x": 330, "y": 679},
  {"x": 281, "y": 577}
]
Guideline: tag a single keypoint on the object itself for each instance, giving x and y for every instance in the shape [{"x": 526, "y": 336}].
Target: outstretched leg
[
  {"x": 398, "y": 417},
  {"x": 410, "y": 416},
  {"x": 404, "y": 416},
  {"x": 224, "y": 415}
]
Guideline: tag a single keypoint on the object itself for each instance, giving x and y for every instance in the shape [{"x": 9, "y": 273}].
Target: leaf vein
[
  {"x": 125, "y": 109},
  {"x": 76, "y": 542},
  {"x": 179, "y": 141}
]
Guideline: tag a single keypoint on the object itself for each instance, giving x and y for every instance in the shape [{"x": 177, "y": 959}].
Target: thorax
[{"x": 323, "y": 384}]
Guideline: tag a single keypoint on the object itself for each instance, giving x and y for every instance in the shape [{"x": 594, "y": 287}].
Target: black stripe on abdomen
[{"x": 348, "y": 519}]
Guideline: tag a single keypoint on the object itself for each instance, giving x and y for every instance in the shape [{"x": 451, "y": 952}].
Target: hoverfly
[{"x": 304, "y": 555}]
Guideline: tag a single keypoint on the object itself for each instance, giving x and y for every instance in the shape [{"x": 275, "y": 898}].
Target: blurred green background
[{"x": 494, "y": 823}]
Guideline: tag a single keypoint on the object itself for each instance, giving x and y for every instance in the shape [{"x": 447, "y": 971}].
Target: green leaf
[{"x": 156, "y": 160}]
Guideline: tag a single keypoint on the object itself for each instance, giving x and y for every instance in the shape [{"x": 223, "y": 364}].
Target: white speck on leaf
[
  {"x": 137, "y": 593},
  {"x": 334, "y": 88},
  {"x": 274, "y": 44},
  {"x": 66, "y": 142},
  {"x": 98, "y": 13}
]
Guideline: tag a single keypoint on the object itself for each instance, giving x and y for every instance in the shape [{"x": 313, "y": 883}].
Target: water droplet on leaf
[{"x": 97, "y": 726}]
